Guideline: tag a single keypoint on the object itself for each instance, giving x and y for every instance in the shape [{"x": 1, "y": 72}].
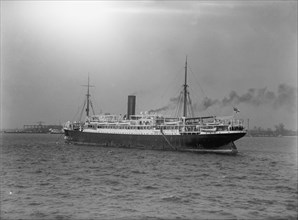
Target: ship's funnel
[{"x": 131, "y": 105}]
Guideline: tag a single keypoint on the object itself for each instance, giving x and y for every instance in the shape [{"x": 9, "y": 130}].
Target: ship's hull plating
[{"x": 204, "y": 143}]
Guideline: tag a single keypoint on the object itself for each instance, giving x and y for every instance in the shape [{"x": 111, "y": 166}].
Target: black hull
[{"x": 203, "y": 143}]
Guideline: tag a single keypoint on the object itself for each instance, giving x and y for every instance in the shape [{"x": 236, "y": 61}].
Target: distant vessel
[
  {"x": 153, "y": 131},
  {"x": 56, "y": 131}
]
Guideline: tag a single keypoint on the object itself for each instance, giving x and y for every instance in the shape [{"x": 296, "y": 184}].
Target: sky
[{"x": 240, "y": 54}]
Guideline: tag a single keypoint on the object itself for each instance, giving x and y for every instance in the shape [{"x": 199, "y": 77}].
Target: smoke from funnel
[
  {"x": 171, "y": 105},
  {"x": 286, "y": 96}
]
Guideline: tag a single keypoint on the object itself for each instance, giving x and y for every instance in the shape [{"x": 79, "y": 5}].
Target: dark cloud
[{"x": 286, "y": 96}]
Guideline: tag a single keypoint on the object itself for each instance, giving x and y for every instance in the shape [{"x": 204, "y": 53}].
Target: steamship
[{"x": 210, "y": 134}]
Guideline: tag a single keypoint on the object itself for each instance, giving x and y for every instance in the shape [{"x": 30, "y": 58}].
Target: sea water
[{"x": 44, "y": 178}]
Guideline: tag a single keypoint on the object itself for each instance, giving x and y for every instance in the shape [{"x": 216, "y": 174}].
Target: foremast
[
  {"x": 88, "y": 100},
  {"x": 88, "y": 97},
  {"x": 185, "y": 91}
]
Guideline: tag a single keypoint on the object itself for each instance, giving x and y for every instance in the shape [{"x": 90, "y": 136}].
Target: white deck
[{"x": 153, "y": 132}]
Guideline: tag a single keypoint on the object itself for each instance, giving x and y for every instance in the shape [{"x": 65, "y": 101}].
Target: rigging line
[
  {"x": 92, "y": 107},
  {"x": 79, "y": 108},
  {"x": 202, "y": 90},
  {"x": 172, "y": 104},
  {"x": 173, "y": 112},
  {"x": 76, "y": 114},
  {"x": 179, "y": 105},
  {"x": 93, "y": 103},
  {"x": 169, "y": 109},
  {"x": 170, "y": 84},
  {"x": 199, "y": 104},
  {"x": 82, "y": 110},
  {"x": 191, "y": 111}
]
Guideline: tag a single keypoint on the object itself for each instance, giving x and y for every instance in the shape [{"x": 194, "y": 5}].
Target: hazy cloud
[{"x": 134, "y": 47}]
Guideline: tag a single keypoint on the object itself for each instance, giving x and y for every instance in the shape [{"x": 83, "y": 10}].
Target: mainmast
[
  {"x": 88, "y": 96},
  {"x": 185, "y": 91}
]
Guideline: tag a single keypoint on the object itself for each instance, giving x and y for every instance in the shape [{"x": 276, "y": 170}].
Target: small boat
[{"x": 56, "y": 131}]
